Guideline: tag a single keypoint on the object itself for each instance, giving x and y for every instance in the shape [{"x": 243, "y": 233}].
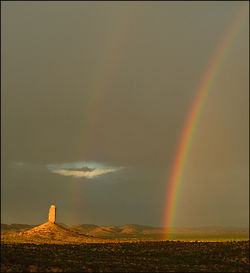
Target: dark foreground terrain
[{"x": 158, "y": 256}]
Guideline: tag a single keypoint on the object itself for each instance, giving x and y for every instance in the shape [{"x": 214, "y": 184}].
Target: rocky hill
[
  {"x": 51, "y": 233},
  {"x": 60, "y": 233}
]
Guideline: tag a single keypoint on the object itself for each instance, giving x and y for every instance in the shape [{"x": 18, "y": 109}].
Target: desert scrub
[{"x": 158, "y": 256}]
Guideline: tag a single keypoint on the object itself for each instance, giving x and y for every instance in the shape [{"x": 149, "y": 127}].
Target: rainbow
[
  {"x": 99, "y": 92},
  {"x": 194, "y": 115},
  {"x": 106, "y": 74}
]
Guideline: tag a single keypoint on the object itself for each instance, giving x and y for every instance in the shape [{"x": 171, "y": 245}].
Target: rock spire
[{"x": 52, "y": 214}]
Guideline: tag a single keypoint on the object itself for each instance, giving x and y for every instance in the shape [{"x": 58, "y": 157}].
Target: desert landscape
[
  {"x": 53, "y": 247},
  {"x": 125, "y": 136},
  {"x": 131, "y": 232}
]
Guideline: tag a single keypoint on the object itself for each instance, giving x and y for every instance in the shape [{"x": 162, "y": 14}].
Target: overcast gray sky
[{"x": 94, "y": 99}]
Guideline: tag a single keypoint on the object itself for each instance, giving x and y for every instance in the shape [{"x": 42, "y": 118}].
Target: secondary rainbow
[
  {"x": 100, "y": 92},
  {"x": 193, "y": 118}
]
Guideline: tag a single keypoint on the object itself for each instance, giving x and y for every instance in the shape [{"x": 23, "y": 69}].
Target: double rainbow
[{"x": 194, "y": 116}]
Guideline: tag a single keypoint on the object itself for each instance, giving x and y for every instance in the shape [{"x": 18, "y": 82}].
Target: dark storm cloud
[
  {"x": 143, "y": 104},
  {"x": 79, "y": 83}
]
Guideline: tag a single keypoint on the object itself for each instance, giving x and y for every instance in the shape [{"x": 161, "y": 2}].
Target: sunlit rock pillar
[{"x": 52, "y": 214}]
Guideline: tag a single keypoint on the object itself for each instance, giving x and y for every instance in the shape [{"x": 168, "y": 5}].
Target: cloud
[
  {"x": 19, "y": 163},
  {"x": 82, "y": 169},
  {"x": 87, "y": 174},
  {"x": 76, "y": 169}
]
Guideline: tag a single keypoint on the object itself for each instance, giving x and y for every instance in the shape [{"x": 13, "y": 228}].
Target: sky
[{"x": 94, "y": 99}]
